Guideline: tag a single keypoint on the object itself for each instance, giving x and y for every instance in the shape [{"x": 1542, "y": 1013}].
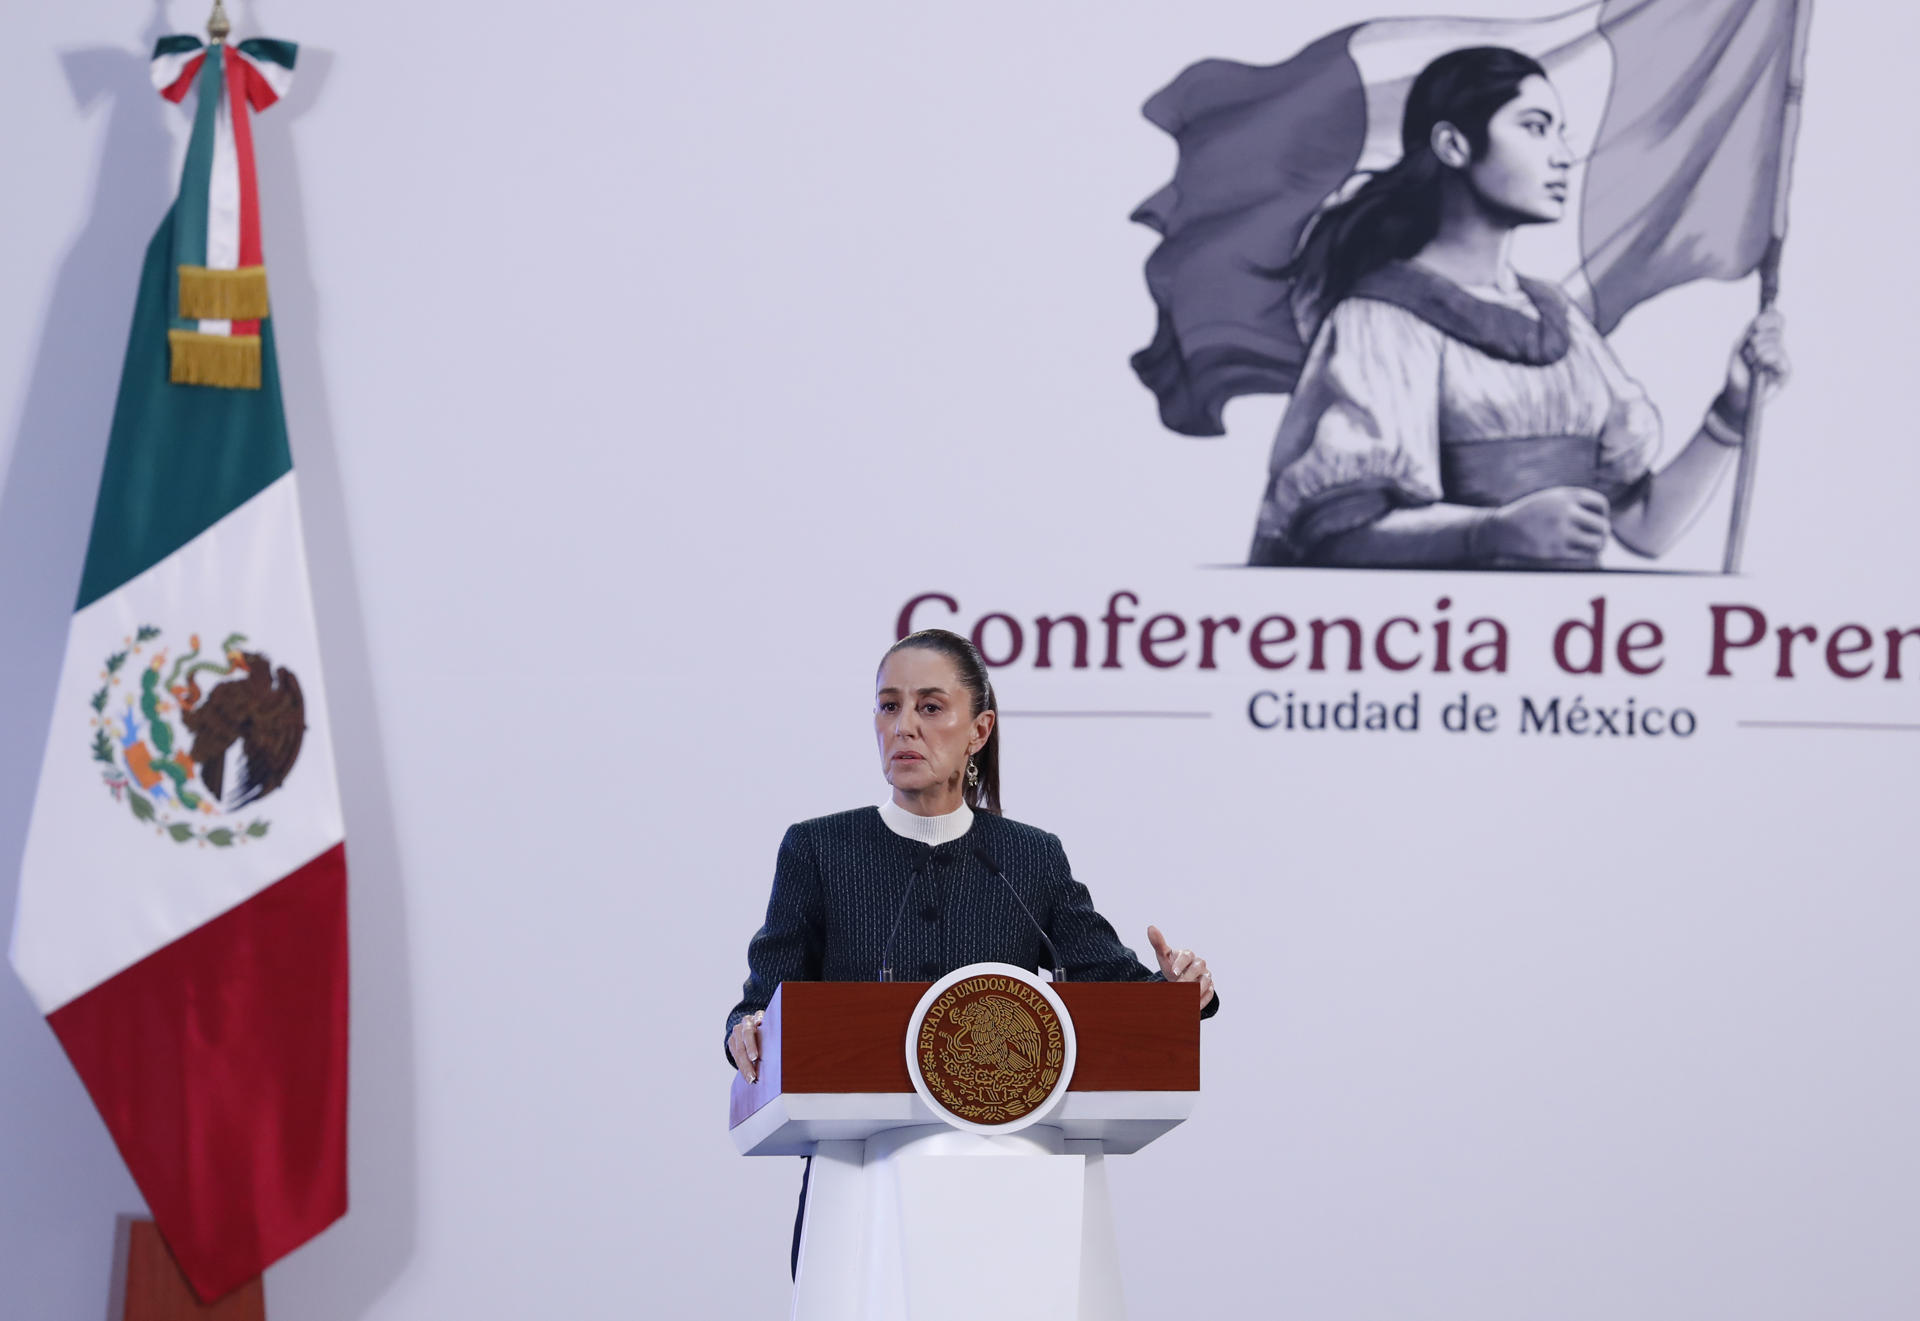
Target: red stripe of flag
[
  {"x": 260, "y": 93},
  {"x": 219, "y": 1064},
  {"x": 176, "y": 91},
  {"x": 237, "y": 71}
]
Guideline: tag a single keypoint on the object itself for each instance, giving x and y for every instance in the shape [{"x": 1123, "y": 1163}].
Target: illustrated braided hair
[{"x": 1396, "y": 212}]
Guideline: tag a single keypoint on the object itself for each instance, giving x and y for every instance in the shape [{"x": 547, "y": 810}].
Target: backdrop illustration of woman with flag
[{"x": 1340, "y": 228}]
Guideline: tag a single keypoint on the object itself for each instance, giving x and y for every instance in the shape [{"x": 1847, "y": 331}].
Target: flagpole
[{"x": 1769, "y": 284}]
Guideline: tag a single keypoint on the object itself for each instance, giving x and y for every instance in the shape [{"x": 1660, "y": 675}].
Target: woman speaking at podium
[{"x": 935, "y": 878}]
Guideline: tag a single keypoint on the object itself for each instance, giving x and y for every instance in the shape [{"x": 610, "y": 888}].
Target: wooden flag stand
[{"x": 157, "y": 1291}]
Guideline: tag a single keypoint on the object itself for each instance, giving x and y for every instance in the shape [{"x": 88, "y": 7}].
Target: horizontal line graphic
[
  {"x": 1827, "y": 724},
  {"x": 1119, "y": 715}
]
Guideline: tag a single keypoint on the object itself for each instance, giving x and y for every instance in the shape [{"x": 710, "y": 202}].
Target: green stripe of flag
[
  {"x": 175, "y": 45},
  {"x": 281, "y": 53},
  {"x": 196, "y": 177},
  {"x": 180, "y": 457}
]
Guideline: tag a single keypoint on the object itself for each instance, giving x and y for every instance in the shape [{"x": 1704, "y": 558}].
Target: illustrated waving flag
[
  {"x": 1677, "y": 109},
  {"x": 182, "y": 909}
]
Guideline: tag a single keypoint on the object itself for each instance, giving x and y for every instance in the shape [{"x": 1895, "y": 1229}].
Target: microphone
[
  {"x": 886, "y": 954},
  {"x": 980, "y": 852}
]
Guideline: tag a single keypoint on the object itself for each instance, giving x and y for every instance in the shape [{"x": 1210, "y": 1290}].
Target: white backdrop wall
[{"x": 642, "y": 362}]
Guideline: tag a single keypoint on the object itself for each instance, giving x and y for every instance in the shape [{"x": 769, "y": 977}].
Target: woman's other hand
[
  {"x": 744, "y": 1045},
  {"x": 1560, "y": 525},
  {"x": 1761, "y": 352},
  {"x": 1181, "y": 965}
]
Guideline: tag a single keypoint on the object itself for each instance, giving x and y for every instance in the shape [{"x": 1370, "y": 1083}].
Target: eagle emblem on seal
[
  {"x": 998, "y": 1041},
  {"x": 190, "y": 738}
]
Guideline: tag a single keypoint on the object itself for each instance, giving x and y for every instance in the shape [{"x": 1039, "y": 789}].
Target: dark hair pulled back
[
  {"x": 1396, "y": 212},
  {"x": 972, "y": 669}
]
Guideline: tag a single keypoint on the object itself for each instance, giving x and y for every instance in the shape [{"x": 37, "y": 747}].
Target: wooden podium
[{"x": 910, "y": 1218}]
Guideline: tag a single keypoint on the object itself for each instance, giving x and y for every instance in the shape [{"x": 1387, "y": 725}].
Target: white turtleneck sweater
[{"x": 926, "y": 829}]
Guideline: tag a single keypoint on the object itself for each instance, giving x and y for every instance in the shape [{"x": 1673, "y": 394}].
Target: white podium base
[{"x": 933, "y": 1224}]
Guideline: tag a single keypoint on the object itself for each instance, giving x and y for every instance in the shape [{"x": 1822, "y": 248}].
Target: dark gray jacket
[{"x": 840, "y": 880}]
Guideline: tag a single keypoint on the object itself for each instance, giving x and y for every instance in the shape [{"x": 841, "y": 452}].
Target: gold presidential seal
[{"x": 990, "y": 1048}]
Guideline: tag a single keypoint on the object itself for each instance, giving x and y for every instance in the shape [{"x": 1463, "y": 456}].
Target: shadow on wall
[
  {"x": 63, "y": 1180},
  {"x": 64, "y": 1183}
]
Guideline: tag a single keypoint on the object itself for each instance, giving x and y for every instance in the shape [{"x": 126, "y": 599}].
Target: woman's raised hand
[
  {"x": 1762, "y": 352},
  {"x": 1560, "y": 525},
  {"x": 1181, "y": 965},
  {"x": 744, "y": 1045}
]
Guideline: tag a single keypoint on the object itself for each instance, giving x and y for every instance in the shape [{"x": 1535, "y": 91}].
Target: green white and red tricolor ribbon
[
  {"x": 221, "y": 293},
  {"x": 182, "y": 913}
]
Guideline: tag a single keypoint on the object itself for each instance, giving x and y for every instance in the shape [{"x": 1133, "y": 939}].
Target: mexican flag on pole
[{"x": 182, "y": 910}]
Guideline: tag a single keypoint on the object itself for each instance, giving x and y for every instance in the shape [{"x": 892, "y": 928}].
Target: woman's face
[
  {"x": 924, "y": 723},
  {"x": 1523, "y": 173}
]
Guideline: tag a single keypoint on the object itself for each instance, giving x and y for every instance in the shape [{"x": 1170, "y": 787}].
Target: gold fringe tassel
[
  {"x": 210, "y": 295},
  {"x": 231, "y": 362}
]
